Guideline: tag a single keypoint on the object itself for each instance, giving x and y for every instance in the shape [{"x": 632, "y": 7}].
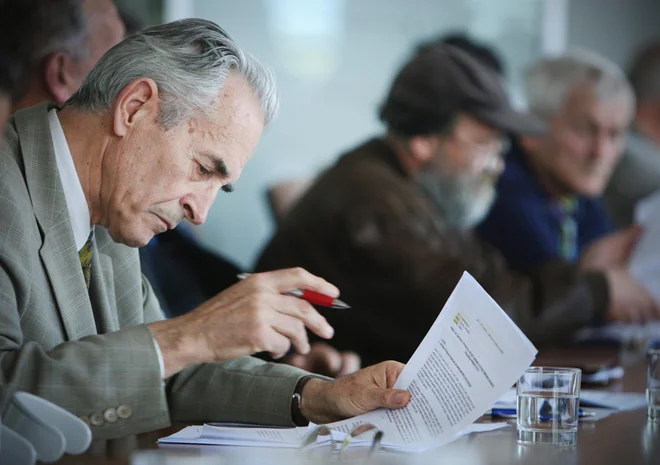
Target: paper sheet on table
[
  {"x": 238, "y": 436},
  {"x": 645, "y": 258},
  {"x": 471, "y": 355},
  {"x": 619, "y": 401},
  {"x": 633, "y": 335},
  {"x": 288, "y": 437}
]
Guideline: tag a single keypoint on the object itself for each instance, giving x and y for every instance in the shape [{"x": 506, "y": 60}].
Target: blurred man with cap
[{"x": 391, "y": 222}]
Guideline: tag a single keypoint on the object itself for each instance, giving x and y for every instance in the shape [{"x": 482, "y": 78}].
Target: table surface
[{"x": 621, "y": 438}]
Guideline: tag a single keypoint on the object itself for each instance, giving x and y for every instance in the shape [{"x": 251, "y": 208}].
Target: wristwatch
[{"x": 296, "y": 403}]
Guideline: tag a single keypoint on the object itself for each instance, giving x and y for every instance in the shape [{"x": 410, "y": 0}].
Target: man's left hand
[
  {"x": 325, "y": 360},
  {"x": 368, "y": 389}
]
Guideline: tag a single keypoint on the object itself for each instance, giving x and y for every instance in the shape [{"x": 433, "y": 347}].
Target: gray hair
[
  {"x": 550, "y": 81},
  {"x": 189, "y": 60},
  {"x": 645, "y": 73}
]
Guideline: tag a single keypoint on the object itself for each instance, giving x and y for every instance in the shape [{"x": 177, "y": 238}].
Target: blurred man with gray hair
[
  {"x": 165, "y": 120},
  {"x": 637, "y": 174},
  {"x": 72, "y": 37}
]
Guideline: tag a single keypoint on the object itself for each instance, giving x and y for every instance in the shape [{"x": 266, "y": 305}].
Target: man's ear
[
  {"x": 137, "y": 101},
  {"x": 423, "y": 148},
  {"x": 59, "y": 73}
]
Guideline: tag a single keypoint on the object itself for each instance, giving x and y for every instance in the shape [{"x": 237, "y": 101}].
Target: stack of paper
[
  {"x": 471, "y": 355},
  {"x": 281, "y": 437}
]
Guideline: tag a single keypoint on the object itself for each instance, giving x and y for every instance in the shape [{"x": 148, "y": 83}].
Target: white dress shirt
[{"x": 76, "y": 202}]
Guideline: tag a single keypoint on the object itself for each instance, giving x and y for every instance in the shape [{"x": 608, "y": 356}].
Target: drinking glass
[{"x": 548, "y": 406}]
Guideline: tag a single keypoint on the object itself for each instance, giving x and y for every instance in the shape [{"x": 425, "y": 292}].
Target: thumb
[
  {"x": 386, "y": 398},
  {"x": 298, "y": 361}
]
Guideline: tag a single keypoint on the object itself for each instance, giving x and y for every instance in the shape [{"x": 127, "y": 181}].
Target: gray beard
[{"x": 463, "y": 200}]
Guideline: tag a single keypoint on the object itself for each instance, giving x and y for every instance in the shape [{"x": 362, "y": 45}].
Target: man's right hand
[
  {"x": 629, "y": 301},
  {"x": 611, "y": 251},
  {"x": 251, "y": 316}
]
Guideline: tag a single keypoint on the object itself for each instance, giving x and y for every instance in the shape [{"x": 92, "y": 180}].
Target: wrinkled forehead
[
  {"x": 612, "y": 108},
  {"x": 232, "y": 130}
]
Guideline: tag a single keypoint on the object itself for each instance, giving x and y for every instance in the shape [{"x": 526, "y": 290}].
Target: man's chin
[{"x": 132, "y": 240}]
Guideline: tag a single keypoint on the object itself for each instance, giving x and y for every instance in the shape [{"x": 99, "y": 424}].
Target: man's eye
[{"x": 203, "y": 170}]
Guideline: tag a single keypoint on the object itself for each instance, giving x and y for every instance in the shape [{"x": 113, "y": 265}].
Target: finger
[
  {"x": 325, "y": 359},
  {"x": 298, "y": 278},
  {"x": 305, "y": 312},
  {"x": 299, "y": 361},
  {"x": 392, "y": 371},
  {"x": 293, "y": 329},
  {"x": 350, "y": 363},
  {"x": 376, "y": 398},
  {"x": 631, "y": 237},
  {"x": 277, "y": 345}
]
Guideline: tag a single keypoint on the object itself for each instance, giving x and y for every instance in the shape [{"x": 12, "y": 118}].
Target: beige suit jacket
[{"x": 92, "y": 353}]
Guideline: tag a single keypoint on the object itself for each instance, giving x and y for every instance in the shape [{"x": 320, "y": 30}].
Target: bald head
[{"x": 74, "y": 36}]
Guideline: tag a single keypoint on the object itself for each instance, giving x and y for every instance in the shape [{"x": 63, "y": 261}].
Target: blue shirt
[{"x": 530, "y": 227}]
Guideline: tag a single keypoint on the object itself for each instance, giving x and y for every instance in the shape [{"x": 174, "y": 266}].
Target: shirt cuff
[{"x": 161, "y": 362}]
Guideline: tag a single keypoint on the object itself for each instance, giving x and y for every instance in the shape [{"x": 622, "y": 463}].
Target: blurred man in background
[
  {"x": 73, "y": 36},
  {"x": 391, "y": 222},
  {"x": 17, "y": 30},
  {"x": 638, "y": 173},
  {"x": 548, "y": 199}
]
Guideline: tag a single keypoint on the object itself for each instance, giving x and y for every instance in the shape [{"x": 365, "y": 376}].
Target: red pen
[{"x": 315, "y": 298}]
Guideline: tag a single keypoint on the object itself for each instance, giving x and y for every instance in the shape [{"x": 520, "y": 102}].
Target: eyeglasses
[
  {"x": 485, "y": 156},
  {"x": 323, "y": 443}
]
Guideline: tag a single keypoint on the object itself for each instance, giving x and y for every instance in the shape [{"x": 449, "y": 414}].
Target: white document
[
  {"x": 645, "y": 259},
  {"x": 471, "y": 355}
]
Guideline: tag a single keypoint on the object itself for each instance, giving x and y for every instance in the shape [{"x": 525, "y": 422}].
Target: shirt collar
[{"x": 73, "y": 192}]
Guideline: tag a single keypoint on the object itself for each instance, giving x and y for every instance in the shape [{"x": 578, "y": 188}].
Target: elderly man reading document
[{"x": 165, "y": 120}]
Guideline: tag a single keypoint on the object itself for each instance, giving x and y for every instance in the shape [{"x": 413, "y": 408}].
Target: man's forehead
[{"x": 613, "y": 109}]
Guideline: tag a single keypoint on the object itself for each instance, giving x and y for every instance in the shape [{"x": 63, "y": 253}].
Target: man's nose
[{"x": 196, "y": 206}]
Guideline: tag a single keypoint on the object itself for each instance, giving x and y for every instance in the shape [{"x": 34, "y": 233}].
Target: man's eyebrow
[{"x": 220, "y": 167}]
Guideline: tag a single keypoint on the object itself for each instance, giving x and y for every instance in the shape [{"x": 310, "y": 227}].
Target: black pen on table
[{"x": 313, "y": 297}]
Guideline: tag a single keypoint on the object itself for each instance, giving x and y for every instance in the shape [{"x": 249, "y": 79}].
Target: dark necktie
[{"x": 85, "y": 255}]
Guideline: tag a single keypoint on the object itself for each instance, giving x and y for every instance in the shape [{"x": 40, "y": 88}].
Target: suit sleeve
[{"x": 245, "y": 390}]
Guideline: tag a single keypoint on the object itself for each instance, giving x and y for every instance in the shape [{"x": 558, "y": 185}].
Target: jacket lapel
[
  {"x": 58, "y": 251},
  {"x": 102, "y": 292}
]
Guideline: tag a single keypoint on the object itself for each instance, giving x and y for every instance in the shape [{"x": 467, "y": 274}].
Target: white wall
[
  {"x": 334, "y": 60},
  {"x": 615, "y": 28}
]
